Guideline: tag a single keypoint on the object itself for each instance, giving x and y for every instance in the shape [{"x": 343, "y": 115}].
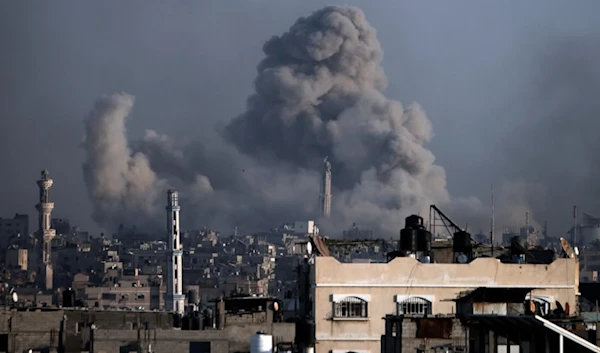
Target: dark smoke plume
[{"x": 318, "y": 93}]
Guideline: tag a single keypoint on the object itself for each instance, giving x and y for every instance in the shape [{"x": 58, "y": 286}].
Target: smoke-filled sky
[{"x": 505, "y": 92}]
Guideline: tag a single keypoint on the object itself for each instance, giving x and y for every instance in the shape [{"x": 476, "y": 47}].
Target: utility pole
[{"x": 492, "y": 221}]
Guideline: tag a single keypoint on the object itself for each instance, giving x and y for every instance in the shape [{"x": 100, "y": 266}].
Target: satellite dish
[
  {"x": 15, "y": 297},
  {"x": 567, "y": 248},
  {"x": 308, "y": 248},
  {"x": 462, "y": 259}
]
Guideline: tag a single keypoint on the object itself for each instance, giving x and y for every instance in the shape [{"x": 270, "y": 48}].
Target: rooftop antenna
[
  {"x": 574, "y": 225},
  {"x": 492, "y": 222}
]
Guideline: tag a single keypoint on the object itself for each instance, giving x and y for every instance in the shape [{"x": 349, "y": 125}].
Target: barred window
[
  {"x": 414, "y": 306},
  {"x": 350, "y": 307}
]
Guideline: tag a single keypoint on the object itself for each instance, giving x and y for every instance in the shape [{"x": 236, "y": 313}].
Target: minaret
[
  {"x": 175, "y": 300},
  {"x": 325, "y": 198},
  {"x": 45, "y": 234}
]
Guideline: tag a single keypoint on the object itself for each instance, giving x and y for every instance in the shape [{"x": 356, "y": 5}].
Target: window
[
  {"x": 350, "y": 306},
  {"x": 408, "y": 305},
  {"x": 109, "y": 296}
]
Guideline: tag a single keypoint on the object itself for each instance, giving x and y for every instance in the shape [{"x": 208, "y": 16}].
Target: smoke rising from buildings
[
  {"x": 121, "y": 184},
  {"x": 318, "y": 93}
]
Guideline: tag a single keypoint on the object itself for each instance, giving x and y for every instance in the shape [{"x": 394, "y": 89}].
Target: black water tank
[
  {"x": 425, "y": 241},
  {"x": 208, "y": 318},
  {"x": 192, "y": 296},
  {"x": 518, "y": 245},
  {"x": 415, "y": 240},
  {"x": 462, "y": 242},
  {"x": 195, "y": 323},
  {"x": 305, "y": 332},
  {"x": 69, "y": 298},
  {"x": 414, "y": 222},
  {"x": 186, "y": 322},
  {"x": 409, "y": 240},
  {"x": 176, "y": 320}
]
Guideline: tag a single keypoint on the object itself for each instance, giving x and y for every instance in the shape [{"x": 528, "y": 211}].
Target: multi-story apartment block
[{"x": 350, "y": 299}]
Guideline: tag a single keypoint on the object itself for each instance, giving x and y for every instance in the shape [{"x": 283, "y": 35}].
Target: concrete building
[
  {"x": 109, "y": 331},
  {"x": 350, "y": 299},
  {"x": 325, "y": 198},
  {"x": 45, "y": 232},
  {"x": 175, "y": 299},
  {"x": 18, "y": 225},
  {"x": 17, "y": 258}
]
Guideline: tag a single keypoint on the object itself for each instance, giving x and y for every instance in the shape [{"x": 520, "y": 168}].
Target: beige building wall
[{"x": 383, "y": 285}]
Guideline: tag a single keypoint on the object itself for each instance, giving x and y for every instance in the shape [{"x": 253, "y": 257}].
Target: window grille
[
  {"x": 350, "y": 307},
  {"x": 414, "y": 306}
]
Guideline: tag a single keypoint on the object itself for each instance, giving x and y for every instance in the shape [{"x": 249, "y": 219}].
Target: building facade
[{"x": 350, "y": 299}]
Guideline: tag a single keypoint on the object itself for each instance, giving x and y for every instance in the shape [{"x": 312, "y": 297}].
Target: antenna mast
[
  {"x": 574, "y": 226},
  {"x": 492, "y": 223}
]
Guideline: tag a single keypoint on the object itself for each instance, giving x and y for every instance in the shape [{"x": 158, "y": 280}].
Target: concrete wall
[
  {"x": 30, "y": 329},
  {"x": 384, "y": 282},
  {"x": 117, "y": 329},
  {"x": 232, "y": 339}
]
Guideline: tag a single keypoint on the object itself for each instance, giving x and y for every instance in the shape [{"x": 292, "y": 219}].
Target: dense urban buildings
[{"x": 202, "y": 291}]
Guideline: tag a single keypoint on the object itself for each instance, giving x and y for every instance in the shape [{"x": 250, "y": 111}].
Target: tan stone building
[{"x": 351, "y": 299}]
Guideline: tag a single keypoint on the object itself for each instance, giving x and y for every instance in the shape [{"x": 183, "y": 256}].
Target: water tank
[
  {"x": 69, "y": 298},
  {"x": 176, "y": 320},
  {"x": 208, "y": 318},
  {"x": 193, "y": 297},
  {"x": 462, "y": 242},
  {"x": 261, "y": 343},
  {"x": 517, "y": 244},
  {"x": 186, "y": 322},
  {"x": 415, "y": 240},
  {"x": 414, "y": 222},
  {"x": 196, "y": 323},
  {"x": 409, "y": 240}
]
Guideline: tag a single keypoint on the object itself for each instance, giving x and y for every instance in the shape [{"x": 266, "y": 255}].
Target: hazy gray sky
[{"x": 478, "y": 68}]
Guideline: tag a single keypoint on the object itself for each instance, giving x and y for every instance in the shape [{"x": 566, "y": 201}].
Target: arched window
[
  {"x": 350, "y": 307},
  {"x": 414, "y": 306}
]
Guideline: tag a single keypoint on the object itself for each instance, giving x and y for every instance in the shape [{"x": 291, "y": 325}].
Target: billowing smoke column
[
  {"x": 318, "y": 93},
  {"x": 121, "y": 184}
]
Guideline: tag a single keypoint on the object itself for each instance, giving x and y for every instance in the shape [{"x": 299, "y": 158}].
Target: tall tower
[
  {"x": 175, "y": 300},
  {"x": 45, "y": 234},
  {"x": 325, "y": 197}
]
